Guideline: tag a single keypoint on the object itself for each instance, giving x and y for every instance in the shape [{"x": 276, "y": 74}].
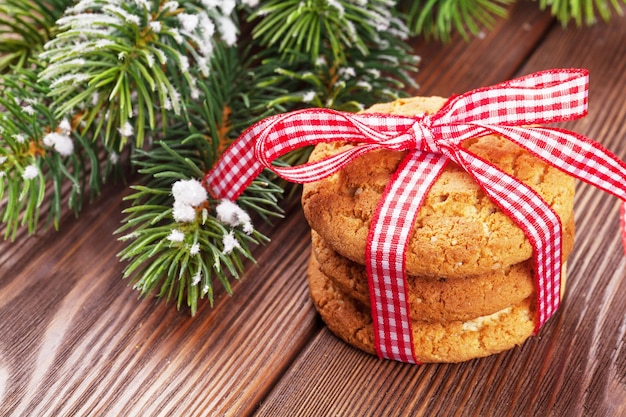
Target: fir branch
[
  {"x": 129, "y": 62},
  {"x": 25, "y": 26},
  {"x": 176, "y": 256},
  {"x": 347, "y": 57},
  {"x": 177, "y": 249},
  {"x": 582, "y": 11},
  {"x": 384, "y": 74},
  {"x": 307, "y": 27},
  {"x": 440, "y": 18},
  {"x": 39, "y": 154}
]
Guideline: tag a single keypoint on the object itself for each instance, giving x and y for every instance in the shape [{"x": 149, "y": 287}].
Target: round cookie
[
  {"x": 453, "y": 341},
  {"x": 434, "y": 299},
  {"x": 459, "y": 230}
]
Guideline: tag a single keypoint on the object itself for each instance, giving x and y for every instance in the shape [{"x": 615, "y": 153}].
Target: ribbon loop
[{"x": 539, "y": 98}]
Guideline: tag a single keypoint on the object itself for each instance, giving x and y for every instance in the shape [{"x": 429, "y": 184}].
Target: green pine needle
[
  {"x": 25, "y": 26},
  {"x": 582, "y": 11},
  {"x": 440, "y": 18},
  {"x": 309, "y": 26},
  {"x": 40, "y": 155}
]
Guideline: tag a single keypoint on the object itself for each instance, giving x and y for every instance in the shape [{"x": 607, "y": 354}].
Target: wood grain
[
  {"x": 576, "y": 365},
  {"x": 76, "y": 341},
  {"x": 459, "y": 66}
]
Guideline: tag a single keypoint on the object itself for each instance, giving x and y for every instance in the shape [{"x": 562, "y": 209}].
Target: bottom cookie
[{"x": 453, "y": 341}]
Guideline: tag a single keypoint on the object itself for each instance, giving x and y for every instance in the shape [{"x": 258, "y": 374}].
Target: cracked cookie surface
[{"x": 458, "y": 231}]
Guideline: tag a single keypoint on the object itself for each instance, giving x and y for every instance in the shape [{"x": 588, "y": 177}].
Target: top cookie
[{"x": 459, "y": 231}]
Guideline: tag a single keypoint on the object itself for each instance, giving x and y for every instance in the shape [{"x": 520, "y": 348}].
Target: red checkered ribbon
[
  {"x": 432, "y": 140},
  {"x": 622, "y": 218}
]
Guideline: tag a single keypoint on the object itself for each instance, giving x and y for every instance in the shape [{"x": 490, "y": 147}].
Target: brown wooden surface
[{"x": 76, "y": 341}]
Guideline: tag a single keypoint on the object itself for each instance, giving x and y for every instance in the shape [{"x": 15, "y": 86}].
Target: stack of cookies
[{"x": 469, "y": 266}]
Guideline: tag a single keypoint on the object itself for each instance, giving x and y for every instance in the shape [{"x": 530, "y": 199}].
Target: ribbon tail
[
  {"x": 536, "y": 218},
  {"x": 622, "y": 217},
  {"x": 571, "y": 153},
  {"x": 386, "y": 253}
]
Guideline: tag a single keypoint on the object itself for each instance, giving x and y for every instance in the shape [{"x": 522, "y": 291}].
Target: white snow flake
[
  {"x": 228, "y": 30},
  {"x": 65, "y": 126},
  {"x": 233, "y": 215},
  {"x": 188, "y": 194},
  {"x": 308, "y": 97},
  {"x": 183, "y": 213},
  {"x": 176, "y": 236},
  {"x": 194, "y": 249},
  {"x": 30, "y": 172},
  {"x": 63, "y": 144},
  {"x": 195, "y": 280},
  {"x": 126, "y": 130},
  {"x": 230, "y": 242},
  {"x": 189, "y": 22}
]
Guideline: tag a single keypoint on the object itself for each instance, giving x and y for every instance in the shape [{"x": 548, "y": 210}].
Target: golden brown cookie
[
  {"x": 435, "y": 299},
  {"x": 453, "y": 341},
  {"x": 459, "y": 231}
]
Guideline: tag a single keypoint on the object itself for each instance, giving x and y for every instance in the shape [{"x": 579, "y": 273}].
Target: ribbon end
[{"x": 622, "y": 217}]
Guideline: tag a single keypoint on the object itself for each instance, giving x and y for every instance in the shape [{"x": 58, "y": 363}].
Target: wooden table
[{"x": 76, "y": 341}]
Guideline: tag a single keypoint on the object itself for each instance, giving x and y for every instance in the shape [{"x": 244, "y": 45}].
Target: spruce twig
[
  {"x": 129, "y": 62},
  {"x": 25, "y": 26},
  {"x": 181, "y": 259},
  {"x": 39, "y": 151},
  {"x": 179, "y": 251},
  {"x": 441, "y": 18}
]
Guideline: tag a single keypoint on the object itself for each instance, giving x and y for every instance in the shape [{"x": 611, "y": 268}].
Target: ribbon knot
[
  {"x": 506, "y": 109},
  {"x": 424, "y": 137}
]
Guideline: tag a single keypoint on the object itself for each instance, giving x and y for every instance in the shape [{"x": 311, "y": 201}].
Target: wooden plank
[
  {"x": 458, "y": 66},
  {"x": 591, "y": 348},
  {"x": 76, "y": 341},
  {"x": 577, "y": 365}
]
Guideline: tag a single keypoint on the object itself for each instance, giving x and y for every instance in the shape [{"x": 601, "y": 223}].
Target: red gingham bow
[{"x": 506, "y": 109}]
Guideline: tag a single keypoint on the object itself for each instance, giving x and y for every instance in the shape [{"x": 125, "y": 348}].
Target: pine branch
[
  {"x": 328, "y": 68},
  {"x": 308, "y": 27},
  {"x": 39, "y": 154},
  {"x": 582, "y": 11},
  {"x": 440, "y": 18},
  {"x": 181, "y": 258},
  {"x": 176, "y": 248},
  {"x": 25, "y": 26},
  {"x": 129, "y": 62},
  {"x": 382, "y": 75}
]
